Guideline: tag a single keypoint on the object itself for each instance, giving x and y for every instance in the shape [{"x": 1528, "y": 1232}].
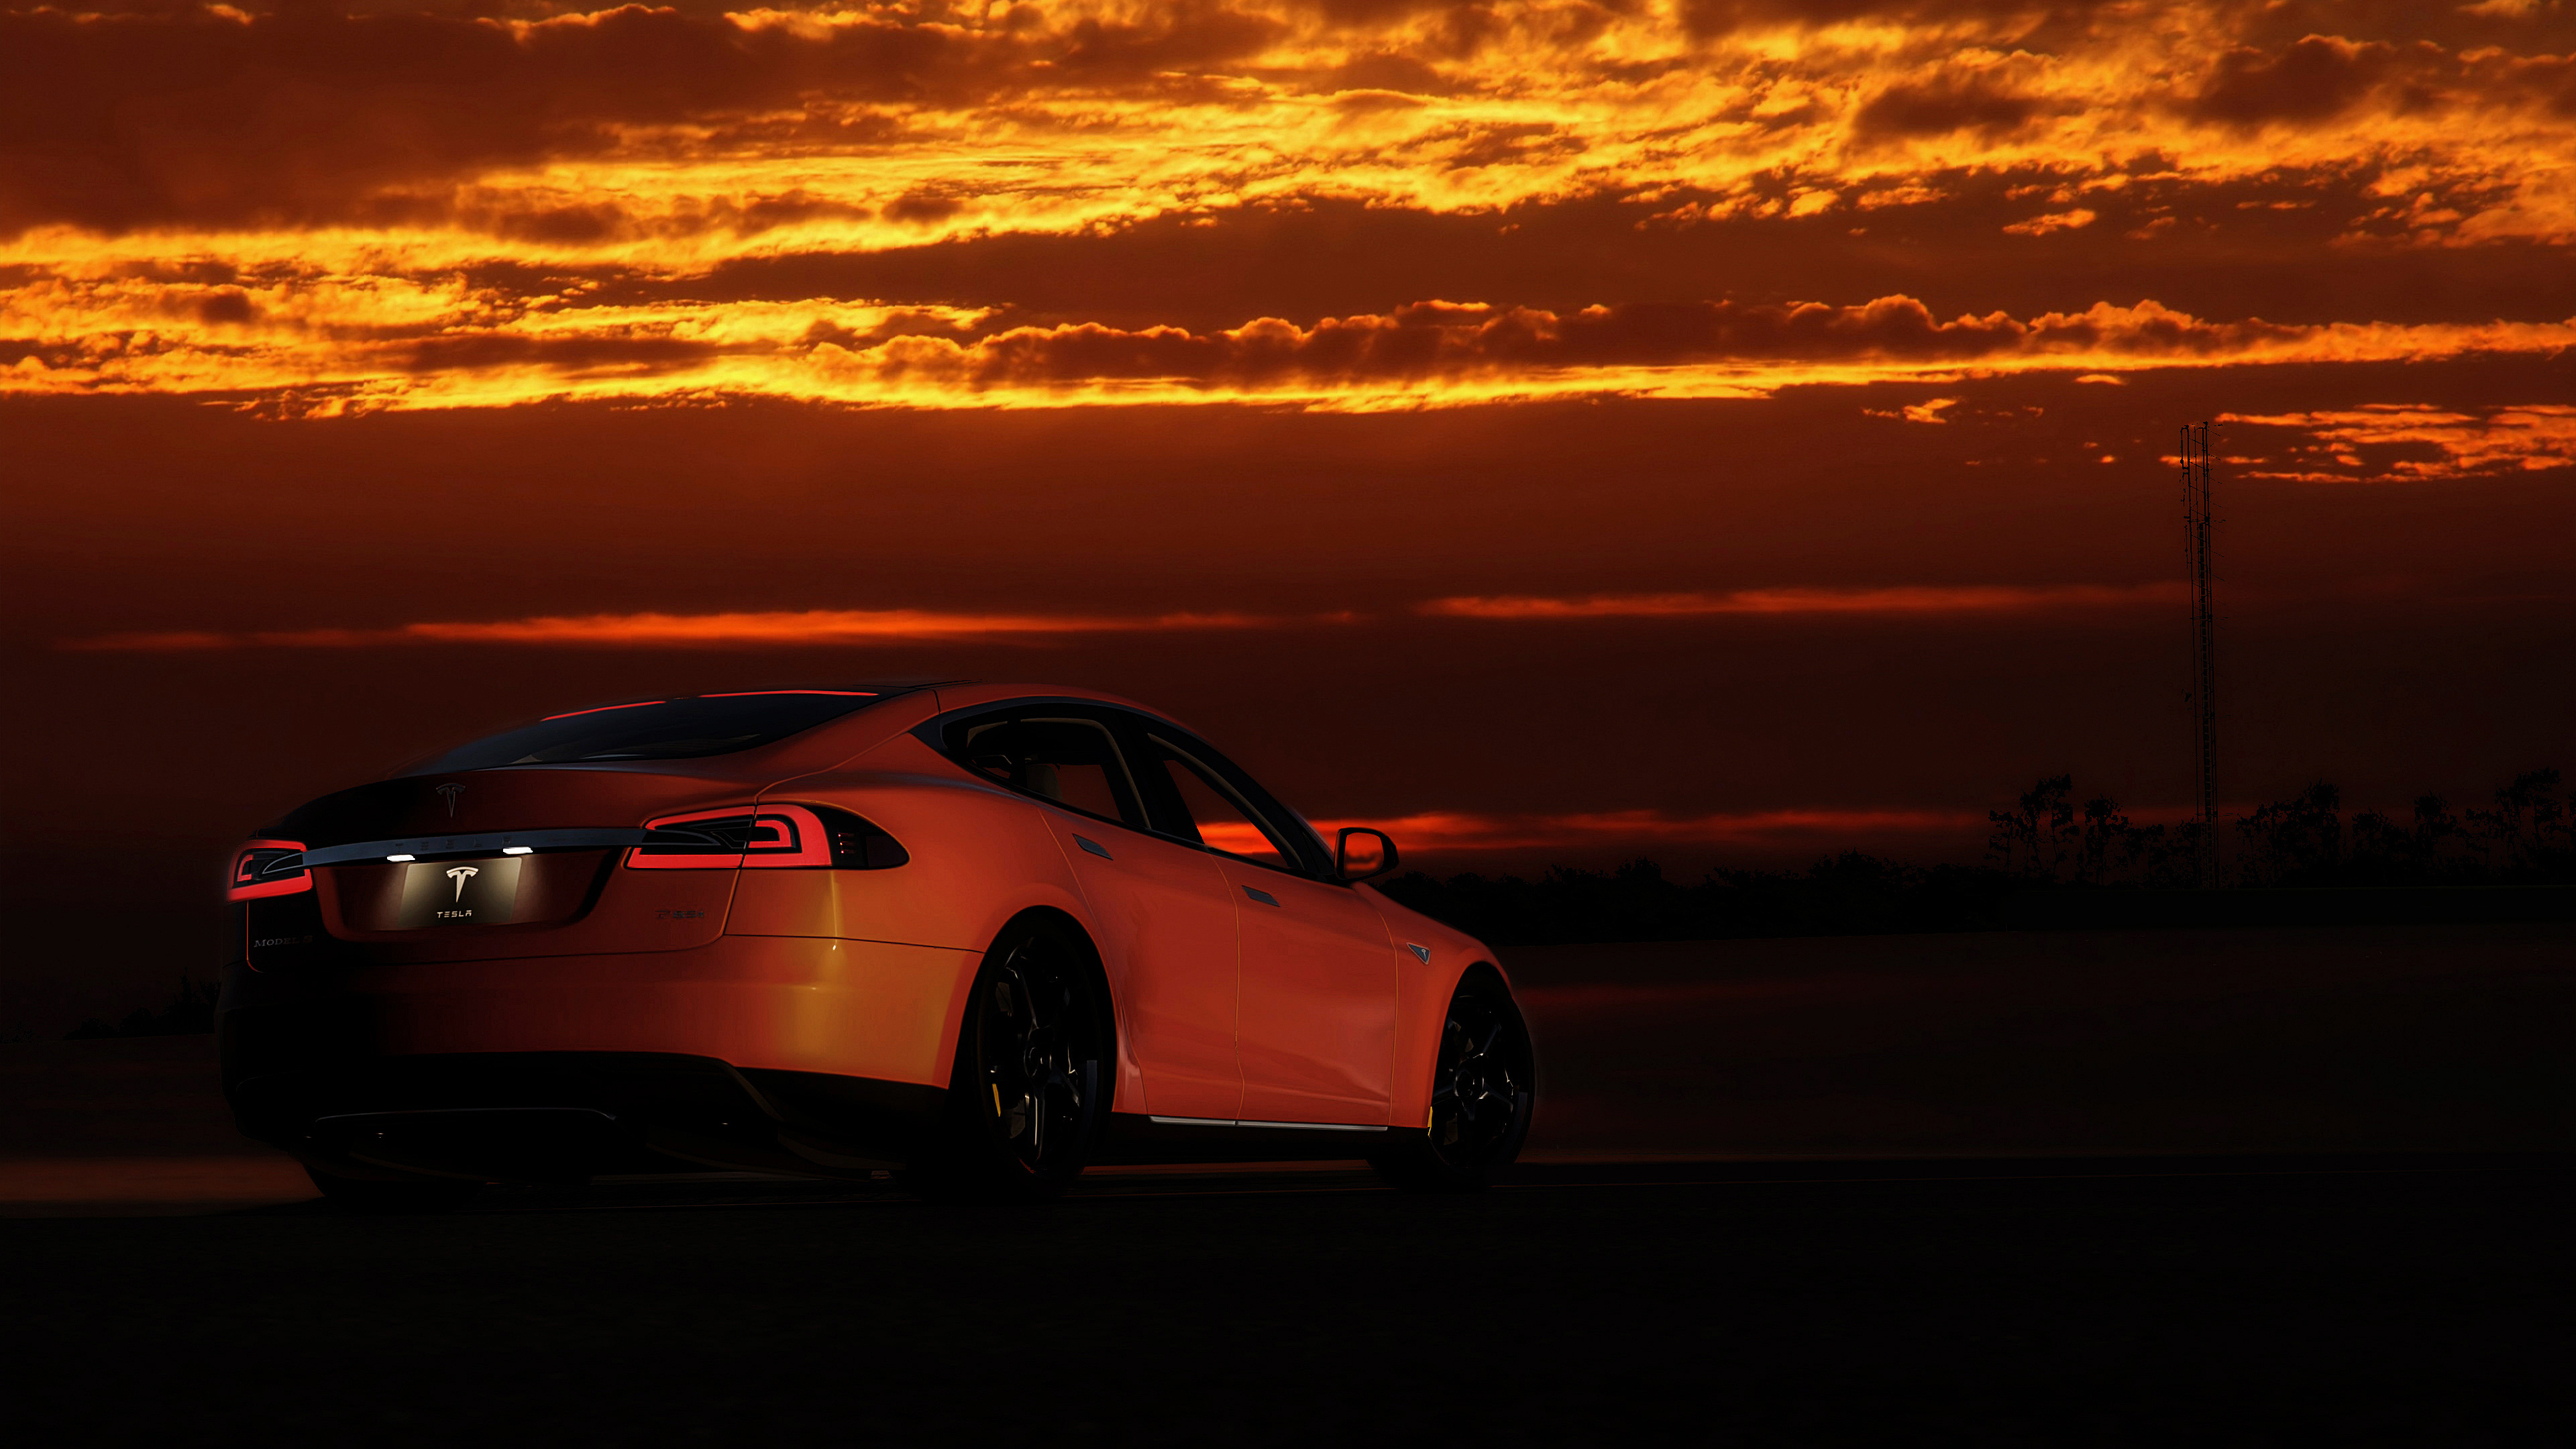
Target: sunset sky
[{"x": 1724, "y": 430}]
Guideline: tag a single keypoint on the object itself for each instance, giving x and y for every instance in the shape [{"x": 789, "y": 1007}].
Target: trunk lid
[{"x": 519, "y": 861}]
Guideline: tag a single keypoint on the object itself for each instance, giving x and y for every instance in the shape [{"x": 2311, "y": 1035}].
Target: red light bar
[
  {"x": 603, "y": 709},
  {"x": 774, "y": 836},
  {"x": 748, "y": 693},
  {"x": 250, "y": 879}
]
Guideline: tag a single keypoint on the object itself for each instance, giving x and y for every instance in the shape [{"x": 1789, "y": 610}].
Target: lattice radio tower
[{"x": 2204, "y": 638}]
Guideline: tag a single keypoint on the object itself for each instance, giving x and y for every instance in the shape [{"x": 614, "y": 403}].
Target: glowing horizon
[{"x": 853, "y": 626}]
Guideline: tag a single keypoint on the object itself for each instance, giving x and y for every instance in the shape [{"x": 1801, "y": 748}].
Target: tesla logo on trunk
[
  {"x": 461, "y": 874},
  {"x": 451, "y": 790}
]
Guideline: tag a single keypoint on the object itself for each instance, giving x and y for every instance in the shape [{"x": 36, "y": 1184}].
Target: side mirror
[{"x": 1360, "y": 854}]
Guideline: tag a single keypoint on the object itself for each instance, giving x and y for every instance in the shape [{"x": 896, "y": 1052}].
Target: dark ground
[
  {"x": 2282, "y": 1187},
  {"x": 2220, "y": 1301}
]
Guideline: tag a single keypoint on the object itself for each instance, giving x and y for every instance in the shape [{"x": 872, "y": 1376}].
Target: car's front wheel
[
  {"x": 1031, "y": 1087},
  {"x": 1482, "y": 1087}
]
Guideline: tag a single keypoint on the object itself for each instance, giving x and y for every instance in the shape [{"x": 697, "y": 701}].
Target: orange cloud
[
  {"x": 2408, "y": 443},
  {"x": 1927, "y": 411},
  {"x": 334, "y": 346},
  {"x": 2053, "y": 221},
  {"x": 895, "y": 626},
  {"x": 659, "y": 630}
]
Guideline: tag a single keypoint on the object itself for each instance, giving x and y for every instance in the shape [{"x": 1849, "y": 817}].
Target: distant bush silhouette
[
  {"x": 2528, "y": 838},
  {"x": 2530, "y": 835},
  {"x": 2045, "y": 840}
]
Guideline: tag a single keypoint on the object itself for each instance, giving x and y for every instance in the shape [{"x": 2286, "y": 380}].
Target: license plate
[{"x": 459, "y": 893}]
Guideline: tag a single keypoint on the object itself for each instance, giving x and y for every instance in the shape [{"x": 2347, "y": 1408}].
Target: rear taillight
[
  {"x": 268, "y": 868},
  {"x": 771, "y": 837}
]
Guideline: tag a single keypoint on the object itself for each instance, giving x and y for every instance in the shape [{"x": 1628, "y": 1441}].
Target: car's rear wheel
[
  {"x": 393, "y": 1195},
  {"x": 1481, "y": 1092},
  {"x": 1031, "y": 1086}
]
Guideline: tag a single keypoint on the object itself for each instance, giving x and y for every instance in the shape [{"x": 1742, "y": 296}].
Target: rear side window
[
  {"x": 1069, "y": 760},
  {"x": 659, "y": 729}
]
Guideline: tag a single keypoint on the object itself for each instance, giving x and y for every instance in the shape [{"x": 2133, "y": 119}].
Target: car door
[
  {"x": 1164, "y": 913},
  {"x": 1315, "y": 1021}
]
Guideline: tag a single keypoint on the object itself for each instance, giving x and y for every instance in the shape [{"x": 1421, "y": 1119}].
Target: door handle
[{"x": 1265, "y": 897}]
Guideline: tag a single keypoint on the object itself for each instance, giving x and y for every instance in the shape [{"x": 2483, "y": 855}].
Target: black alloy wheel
[
  {"x": 1031, "y": 1089},
  {"x": 1482, "y": 1088}
]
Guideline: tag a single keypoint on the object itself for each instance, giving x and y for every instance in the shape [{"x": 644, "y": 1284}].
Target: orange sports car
[{"x": 982, "y": 934}]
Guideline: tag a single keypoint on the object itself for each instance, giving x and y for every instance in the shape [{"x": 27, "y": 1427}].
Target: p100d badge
[{"x": 459, "y": 893}]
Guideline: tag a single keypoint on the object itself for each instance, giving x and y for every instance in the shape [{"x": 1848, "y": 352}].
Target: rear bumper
[
  {"x": 567, "y": 1116},
  {"x": 765, "y": 1052}
]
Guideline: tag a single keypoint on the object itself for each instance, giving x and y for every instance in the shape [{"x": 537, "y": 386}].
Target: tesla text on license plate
[{"x": 459, "y": 892}]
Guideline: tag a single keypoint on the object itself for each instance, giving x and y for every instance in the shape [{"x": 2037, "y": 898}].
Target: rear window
[{"x": 660, "y": 729}]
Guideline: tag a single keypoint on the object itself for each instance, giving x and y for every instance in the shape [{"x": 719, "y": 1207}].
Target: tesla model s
[{"x": 979, "y": 935}]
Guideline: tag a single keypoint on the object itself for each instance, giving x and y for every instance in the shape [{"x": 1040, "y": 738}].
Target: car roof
[{"x": 970, "y": 693}]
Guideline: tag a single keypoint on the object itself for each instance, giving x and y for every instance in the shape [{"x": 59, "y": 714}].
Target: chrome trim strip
[
  {"x": 491, "y": 844},
  {"x": 1275, "y": 1126}
]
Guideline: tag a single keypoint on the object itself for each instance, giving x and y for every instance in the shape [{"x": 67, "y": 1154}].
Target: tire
[
  {"x": 1482, "y": 1088},
  {"x": 1030, "y": 1091},
  {"x": 391, "y": 1195}
]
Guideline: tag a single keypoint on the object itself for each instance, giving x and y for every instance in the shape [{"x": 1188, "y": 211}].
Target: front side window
[
  {"x": 1202, "y": 805},
  {"x": 1072, "y": 762}
]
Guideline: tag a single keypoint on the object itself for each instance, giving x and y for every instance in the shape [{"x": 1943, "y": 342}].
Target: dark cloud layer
[
  {"x": 193, "y": 115},
  {"x": 1973, "y": 100},
  {"x": 2315, "y": 78},
  {"x": 1438, "y": 339},
  {"x": 185, "y": 115},
  {"x": 2235, "y": 253}
]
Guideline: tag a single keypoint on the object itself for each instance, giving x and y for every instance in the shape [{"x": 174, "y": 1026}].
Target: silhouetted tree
[
  {"x": 2045, "y": 838},
  {"x": 2529, "y": 838},
  {"x": 2031, "y": 838},
  {"x": 2428, "y": 849},
  {"x": 2168, "y": 858},
  {"x": 2112, "y": 848},
  {"x": 2297, "y": 841},
  {"x": 2531, "y": 832}
]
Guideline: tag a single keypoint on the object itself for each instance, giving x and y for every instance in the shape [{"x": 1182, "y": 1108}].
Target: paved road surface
[{"x": 2221, "y": 1301}]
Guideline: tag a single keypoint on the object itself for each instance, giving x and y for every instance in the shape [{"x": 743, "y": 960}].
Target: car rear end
[{"x": 513, "y": 961}]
